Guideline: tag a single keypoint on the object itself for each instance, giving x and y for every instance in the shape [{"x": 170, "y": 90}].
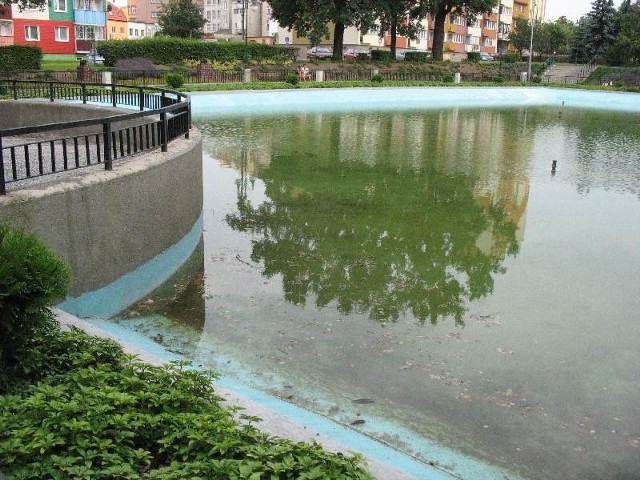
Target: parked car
[
  {"x": 354, "y": 54},
  {"x": 95, "y": 58},
  {"x": 487, "y": 57},
  {"x": 319, "y": 53}
]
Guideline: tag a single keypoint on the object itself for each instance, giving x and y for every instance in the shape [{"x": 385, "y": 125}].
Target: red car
[{"x": 354, "y": 54}]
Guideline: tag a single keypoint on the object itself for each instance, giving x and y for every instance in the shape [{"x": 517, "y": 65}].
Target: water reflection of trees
[{"x": 374, "y": 239}]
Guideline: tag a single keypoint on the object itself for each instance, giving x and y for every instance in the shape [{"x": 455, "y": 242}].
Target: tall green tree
[
  {"x": 603, "y": 26},
  {"x": 554, "y": 37},
  {"x": 181, "y": 18},
  {"x": 625, "y": 49},
  {"x": 439, "y": 9},
  {"x": 520, "y": 35},
  {"x": 311, "y": 18},
  {"x": 396, "y": 17},
  {"x": 581, "y": 50}
]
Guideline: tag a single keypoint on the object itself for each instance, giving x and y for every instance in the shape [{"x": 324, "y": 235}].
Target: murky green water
[{"x": 432, "y": 263}]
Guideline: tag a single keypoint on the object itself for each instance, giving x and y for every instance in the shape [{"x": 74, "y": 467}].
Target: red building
[{"x": 51, "y": 36}]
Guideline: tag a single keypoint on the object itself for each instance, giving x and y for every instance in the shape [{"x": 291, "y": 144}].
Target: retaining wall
[{"x": 106, "y": 223}]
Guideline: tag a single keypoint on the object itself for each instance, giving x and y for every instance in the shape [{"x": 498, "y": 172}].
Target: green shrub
[
  {"x": 111, "y": 416},
  {"x": 377, "y": 78},
  {"x": 20, "y": 57},
  {"x": 511, "y": 57},
  {"x": 292, "y": 79},
  {"x": 31, "y": 277},
  {"x": 380, "y": 55},
  {"x": 473, "y": 57},
  {"x": 168, "y": 51},
  {"x": 448, "y": 78},
  {"x": 417, "y": 57},
  {"x": 498, "y": 79},
  {"x": 175, "y": 79},
  {"x": 536, "y": 79}
]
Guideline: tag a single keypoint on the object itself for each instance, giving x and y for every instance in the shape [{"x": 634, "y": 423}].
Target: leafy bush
[
  {"x": 498, "y": 79},
  {"x": 536, "y": 79},
  {"x": 511, "y": 57},
  {"x": 31, "y": 277},
  {"x": 175, "y": 79},
  {"x": 448, "y": 78},
  {"x": 377, "y": 78},
  {"x": 20, "y": 57},
  {"x": 120, "y": 418},
  {"x": 380, "y": 55},
  {"x": 417, "y": 57},
  {"x": 292, "y": 79},
  {"x": 168, "y": 51},
  {"x": 473, "y": 57}
]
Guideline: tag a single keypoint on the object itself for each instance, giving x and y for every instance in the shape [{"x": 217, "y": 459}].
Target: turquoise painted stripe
[
  {"x": 131, "y": 287},
  {"x": 460, "y": 465},
  {"x": 225, "y": 104}
]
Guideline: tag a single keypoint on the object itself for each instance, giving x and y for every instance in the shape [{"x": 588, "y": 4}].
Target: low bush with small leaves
[
  {"x": 377, "y": 78},
  {"x": 175, "y": 79},
  {"x": 292, "y": 79}
]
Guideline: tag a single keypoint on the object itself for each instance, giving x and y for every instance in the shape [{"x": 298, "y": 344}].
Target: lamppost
[{"x": 533, "y": 21}]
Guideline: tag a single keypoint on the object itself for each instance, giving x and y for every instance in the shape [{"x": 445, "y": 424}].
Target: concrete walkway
[{"x": 567, "y": 73}]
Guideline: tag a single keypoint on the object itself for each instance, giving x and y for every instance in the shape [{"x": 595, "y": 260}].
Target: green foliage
[
  {"x": 292, "y": 79},
  {"x": 175, "y": 79},
  {"x": 31, "y": 277},
  {"x": 417, "y": 57},
  {"x": 169, "y": 51},
  {"x": 512, "y": 57},
  {"x": 498, "y": 79},
  {"x": 473, "y": 57},
  {"x": 377, "y": 78},
  {"x": 181, "y": 18},
  {"x": 448, "y": 78},
  {"x": 20, "y": 57},
  {"x": 536, "y": 79},
  {"x": 381, "y": 55},
  {"x": 107, "y": 415}
]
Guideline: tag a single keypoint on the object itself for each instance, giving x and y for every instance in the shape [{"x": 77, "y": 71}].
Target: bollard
[
  {"x": 319, "y": 75},
  {"x": 246, "y": 75},
  {"x": 456, "y": 77}
]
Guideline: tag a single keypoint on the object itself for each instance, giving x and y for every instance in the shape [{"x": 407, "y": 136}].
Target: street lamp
[
  {"x": 533, "y": 20},
  {"x": 245, "y": 24}
]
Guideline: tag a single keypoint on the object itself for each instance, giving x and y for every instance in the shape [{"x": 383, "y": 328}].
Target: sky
[{"x": 572, "y": 9}]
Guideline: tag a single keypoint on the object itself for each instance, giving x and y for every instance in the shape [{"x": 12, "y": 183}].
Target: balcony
[{"x": 90, "y": 17}]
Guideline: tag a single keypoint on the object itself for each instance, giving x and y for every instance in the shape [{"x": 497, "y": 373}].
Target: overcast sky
[{"x": 572, "y": 9}]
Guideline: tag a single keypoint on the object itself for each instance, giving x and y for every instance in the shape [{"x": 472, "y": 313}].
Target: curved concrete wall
[{"x": 106, "y": 223}]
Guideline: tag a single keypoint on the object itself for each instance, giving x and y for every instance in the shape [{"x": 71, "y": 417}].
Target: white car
[
  {"x": 487, "y": 57},
  {"x": 319, "y": 53}
]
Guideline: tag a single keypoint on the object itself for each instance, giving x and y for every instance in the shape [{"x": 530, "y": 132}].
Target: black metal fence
[
  {"x": 35, "y": 151},
  {"x": 159, "y": 77}
]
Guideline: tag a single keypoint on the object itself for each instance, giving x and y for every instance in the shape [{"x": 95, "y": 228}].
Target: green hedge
[
  {"x": 168, "y": 51},
  {"x": 20, "y": 57},
  {"x": 380, "y": 55},
  {"x": 416, "y": 56}
]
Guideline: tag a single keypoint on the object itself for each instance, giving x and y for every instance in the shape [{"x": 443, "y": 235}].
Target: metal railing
[{"x": 34, "y": 151}]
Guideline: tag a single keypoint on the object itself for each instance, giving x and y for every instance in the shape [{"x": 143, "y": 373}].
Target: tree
[
  {"x": 581, "y": 50},
  {"x": 397, "y": 17},
  {"x": 520, "y": 35},
  {"x": 554, "y": 37},
  {"x": 181, "y": 18},
  {"x": 310, "y": 19},
  {"x": 602, "y": 26},
  {"x": 625, "y": 50},
  {"x": 439, "y": 9}
]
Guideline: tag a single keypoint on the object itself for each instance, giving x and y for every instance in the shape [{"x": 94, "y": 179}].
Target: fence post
[
  {"x": 15, "y": 89},
  {"x": 164, "y": 130},
  {"x": 3, "y": 187},
  {"x": 84, "y": 93},
  {"x": 106, "y": 129},
  {"x": 113, "y": 95},
  {"x": 186, "y": 134},
  {"x": 141, "y": 98},
  {"x": 51, "y": 91}
]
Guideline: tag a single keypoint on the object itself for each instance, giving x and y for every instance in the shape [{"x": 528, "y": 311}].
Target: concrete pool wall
[{"x": 106, "y": 223}]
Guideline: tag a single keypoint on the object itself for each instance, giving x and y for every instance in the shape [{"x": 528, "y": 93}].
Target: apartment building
[{"x": 117, "y": 28}]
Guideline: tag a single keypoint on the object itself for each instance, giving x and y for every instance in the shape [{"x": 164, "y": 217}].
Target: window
[
  {"x": 6, "y": 29},
  {"x": 60, "y": 5},
  {"x": 62, "y": 34},
  {"x": 490, "y": 24},
  {"x": 488, "y": 42},
  {"x": 31, "y": 33},
  {"x": 122, "y": 30},
  {"x": 458, "y": 20},
  {"x": 456, "y": 38},
  {"x": 154, "y": 14},
  {"x": 132, "y": 10}
]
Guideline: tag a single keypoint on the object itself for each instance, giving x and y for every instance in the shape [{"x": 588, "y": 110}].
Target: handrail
[{"x": 60, "y": 151}]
